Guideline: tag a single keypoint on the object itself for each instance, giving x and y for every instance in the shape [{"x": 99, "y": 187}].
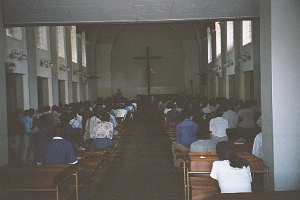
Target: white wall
[
  {"x": 130, "y": 75},
  {"x": 280, "y": 33},
  {"x": 3, "y": 106},
  {"x": 104, "y": 70},
  {"x": 191, "y": 65}
]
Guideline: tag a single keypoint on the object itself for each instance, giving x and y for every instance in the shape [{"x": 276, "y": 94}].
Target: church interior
[{"x": 56, "y": 53}]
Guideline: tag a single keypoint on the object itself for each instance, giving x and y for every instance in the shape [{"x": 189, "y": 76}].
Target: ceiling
[{"x": 64, "y": 12}]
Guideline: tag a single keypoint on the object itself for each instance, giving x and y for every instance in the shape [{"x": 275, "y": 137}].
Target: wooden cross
[{"x": 148, "y": 58}]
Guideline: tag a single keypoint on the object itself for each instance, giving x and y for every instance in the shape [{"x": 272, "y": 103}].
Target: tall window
[
  {"x": 230, "y": 38},
  {"x": 15, "y": 32},
  {"x": 74, "y": 44},
  {"x": 43, "y": 38},
  {"x": 83, "y": 48},
  {"x": 247, "y": 32},
  {"x": 209, "y": 46},
  {"x": 61, "y": 42},
  {"x": 218, "y": 39}
]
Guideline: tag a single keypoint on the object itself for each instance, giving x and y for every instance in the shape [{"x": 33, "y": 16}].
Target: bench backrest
[{"x": 202, "y": 162}]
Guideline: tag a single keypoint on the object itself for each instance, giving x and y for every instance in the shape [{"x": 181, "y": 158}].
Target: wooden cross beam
[{"x": 148, "y": 58}]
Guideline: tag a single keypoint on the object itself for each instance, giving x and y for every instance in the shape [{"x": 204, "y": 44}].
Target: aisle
[{"x": 142, "y": 167}]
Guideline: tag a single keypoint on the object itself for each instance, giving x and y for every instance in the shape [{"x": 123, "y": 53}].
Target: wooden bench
[
  {"x": 203, "y": 187},
  {"x": 30, "y": 181},
  {"x": 278, "y": 195},
  {"x": 90, "y": 161},
  {"x": 201, "y": 163}
]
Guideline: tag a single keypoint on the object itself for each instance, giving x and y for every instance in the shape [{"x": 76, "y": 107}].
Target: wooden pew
[
  {"x": 33, "y": 180},
  {"x": 201, "y": 163},
  {"x": 278, "y": 195},
  {"x": 90, "y": 161},
  {"x": 203, "y": 187}
]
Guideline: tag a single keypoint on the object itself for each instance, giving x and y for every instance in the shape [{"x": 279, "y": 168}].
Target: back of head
[
  {"x": 44, "y": 120},
  {"x": 186, "y": 114},
  {"x": 225, "y": 151},
  {"x": 105, "y": 117},
  {"x": 59, "y": 130}
]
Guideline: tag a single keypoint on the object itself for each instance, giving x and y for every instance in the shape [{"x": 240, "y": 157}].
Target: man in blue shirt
[
  {"x": 185, "y": 135},
  {"x": 173, "y": 116},
  {"x": 59, "y": 151}
]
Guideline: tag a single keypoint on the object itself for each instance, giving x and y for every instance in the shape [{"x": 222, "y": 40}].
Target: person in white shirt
[
  {"x": 218, "y": 125},
  {"x": 232, "y": 172},
  {"x": 257, "y": 146}
]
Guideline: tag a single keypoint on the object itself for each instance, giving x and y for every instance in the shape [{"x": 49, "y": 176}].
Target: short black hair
[
  {"x": 225, "y": 151},
  {"x": 59, "y": 130}
]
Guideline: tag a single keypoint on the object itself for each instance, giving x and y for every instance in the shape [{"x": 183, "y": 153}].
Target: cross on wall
[{"x": 149, "y": 70}]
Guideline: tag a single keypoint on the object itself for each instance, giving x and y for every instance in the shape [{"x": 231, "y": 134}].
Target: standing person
[
  {"x": 185, "y": 134},
  {"x": 119, "y": 96},
  {"x": 232, "y": 172},
  {"x": 16, "y": 131},
  {"x": 27, "y": 122},
  {"x": 55, "y": 116},
  {"x": 42, "y": 137}
]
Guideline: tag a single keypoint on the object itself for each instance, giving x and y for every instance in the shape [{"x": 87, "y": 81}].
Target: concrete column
[
  {"x": 32, "y": 68},
  {"x": 280, "y": 72},
  {"x": 222, "y": 81},
  {"x": 213, "y": 42},
  {"x": 69, "y": 63},
  {"x": 81, "y": 94},
  {"x": 53, "y": 50},
  {"x": 3, "y": 104},
  {"x": 236, "y": 46},
  {"x": 92, "y": 70},
  {"x": 256, "y": 59}
]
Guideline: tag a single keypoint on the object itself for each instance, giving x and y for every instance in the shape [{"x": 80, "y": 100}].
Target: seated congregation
[
  {"x": 216, "y": 139},
  {"x": 81, "y": 134}
]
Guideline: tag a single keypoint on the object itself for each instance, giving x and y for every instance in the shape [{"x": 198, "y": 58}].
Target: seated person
[
  {"x": 257, "y": 146},
  {"x": 207, "y": 145},
  {"x": 185, "y": 135},
  {"x": 120, "y": 113},
  {"x": 218, "y": 127},
  {"x": 233, "y": 119},
  {"x": 173, "y": 116},
  {"x": 59, "y": 152},
  {"x": 232, "y": 172},
  {"x": 90, "y": 123},
  {"x": 246, "y": 127},
  {"x": 102, "y": 133}
]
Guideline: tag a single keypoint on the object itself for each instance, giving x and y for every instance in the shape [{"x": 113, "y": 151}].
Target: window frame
[
  {"x": 246, "y": 32},
  {"x": 61, "y": 42},
  {"x": 74, "y": 45},
  {"x": 218, "y": 39},
  {"x": 42, "y": 36},
  {"x": 209, "y": 46},
  {"x": 83, "y": 49},
  {"x": 230, "y": 35}
]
